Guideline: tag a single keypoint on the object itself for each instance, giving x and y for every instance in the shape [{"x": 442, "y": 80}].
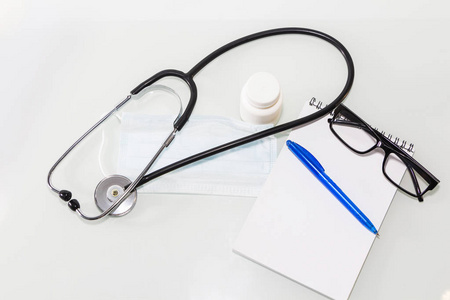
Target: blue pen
[{"x": 316, "y": 168}]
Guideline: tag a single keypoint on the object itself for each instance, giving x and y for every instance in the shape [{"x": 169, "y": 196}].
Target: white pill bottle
[{"x": 261, "y": 99}]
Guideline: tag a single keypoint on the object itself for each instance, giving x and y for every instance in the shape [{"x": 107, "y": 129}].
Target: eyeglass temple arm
[{"x": 416, "y": 183}]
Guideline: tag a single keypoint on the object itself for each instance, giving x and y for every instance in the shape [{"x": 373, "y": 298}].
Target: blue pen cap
[{"x": 304, "y": 156}]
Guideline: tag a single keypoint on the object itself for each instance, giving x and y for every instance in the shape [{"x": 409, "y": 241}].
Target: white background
[{"x": 63, "y": 64}]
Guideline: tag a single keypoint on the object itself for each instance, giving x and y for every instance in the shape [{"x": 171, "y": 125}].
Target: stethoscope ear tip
[
  {"x": 65, "y": 195},
  {"x": 73, "y": 204}
]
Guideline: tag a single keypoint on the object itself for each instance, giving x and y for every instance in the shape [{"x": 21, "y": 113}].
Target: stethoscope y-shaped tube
[{"x": 178, "y": 125}]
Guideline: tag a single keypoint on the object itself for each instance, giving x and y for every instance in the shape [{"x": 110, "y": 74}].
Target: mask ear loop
[
  {"x": 64, "y": 194},
  {"x": 111, "y": 188},
  {"x": 125, "y": 183},
  {"x": 150, "y": 90}
]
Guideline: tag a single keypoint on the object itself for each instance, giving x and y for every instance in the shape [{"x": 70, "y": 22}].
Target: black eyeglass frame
[{"x": 388, "y": 147}]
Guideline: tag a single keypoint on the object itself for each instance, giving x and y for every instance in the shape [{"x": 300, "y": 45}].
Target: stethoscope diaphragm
[{"x": 109, "y": 190}]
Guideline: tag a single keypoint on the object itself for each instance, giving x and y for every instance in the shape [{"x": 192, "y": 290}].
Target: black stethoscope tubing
[{"x": 188, "y": 78}]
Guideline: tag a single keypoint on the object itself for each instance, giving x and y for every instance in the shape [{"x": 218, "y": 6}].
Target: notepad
[{"x": 299, "y": 230}]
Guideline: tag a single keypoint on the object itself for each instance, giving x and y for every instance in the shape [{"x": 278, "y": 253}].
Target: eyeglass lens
[
  {"x": 354, "y": 134},
  {"x": 392, "y": 162}
]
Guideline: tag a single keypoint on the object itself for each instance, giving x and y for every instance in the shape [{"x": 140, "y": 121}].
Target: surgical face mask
[{"x": 238, "y": 172}]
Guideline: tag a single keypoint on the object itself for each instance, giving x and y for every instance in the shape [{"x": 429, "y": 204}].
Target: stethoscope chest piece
[{"x": 111, "y": 189}]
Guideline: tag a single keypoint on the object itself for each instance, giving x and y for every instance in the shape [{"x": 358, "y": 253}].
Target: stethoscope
[{"x": 116, "y": 195}]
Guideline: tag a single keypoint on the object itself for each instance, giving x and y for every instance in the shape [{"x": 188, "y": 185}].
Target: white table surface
[{"x": 64, "y": 64}]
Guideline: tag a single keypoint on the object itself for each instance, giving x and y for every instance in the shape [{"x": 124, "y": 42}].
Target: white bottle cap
[{"x": 261, "y": 99}]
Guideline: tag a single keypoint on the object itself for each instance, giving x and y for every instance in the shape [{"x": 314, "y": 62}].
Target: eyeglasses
[{"x": 360, "y": 137}]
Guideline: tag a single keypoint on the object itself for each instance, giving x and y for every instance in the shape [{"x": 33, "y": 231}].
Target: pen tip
[{"x": 378, "y": 236}]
